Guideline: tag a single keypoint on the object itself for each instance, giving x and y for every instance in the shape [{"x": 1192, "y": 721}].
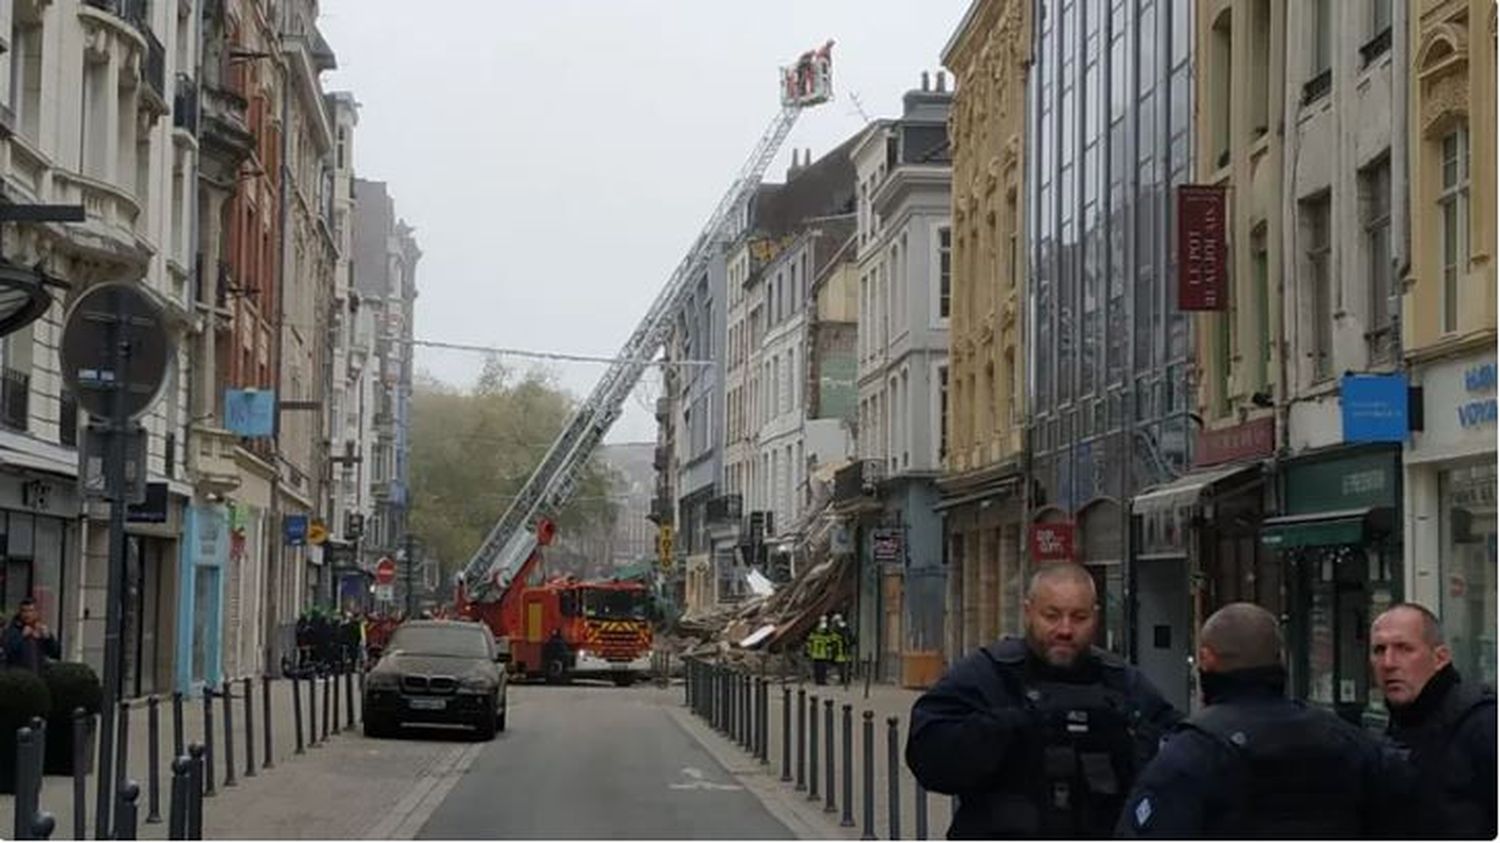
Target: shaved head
[
  {"x": 1432, "y": 629},
  {"x": 1061, "y": 613},
  {"x": 1061, "y": 573},
  {"x": 1240, "y": 636}
]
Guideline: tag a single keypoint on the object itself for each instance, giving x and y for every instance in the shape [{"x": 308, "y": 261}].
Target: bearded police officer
[
  {"x": 1038, "y": 737},
  {"x": 1253, "y": 764},
  {"x": 1447, "y": 722}
]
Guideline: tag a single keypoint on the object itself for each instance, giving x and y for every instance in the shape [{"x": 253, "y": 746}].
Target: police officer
[
  {"x": 1447, "y": 722},
  {"x": 843, "y": 650},
  {"x": 1253, "y": 764},
  {"x": 1041, "y": 737}
]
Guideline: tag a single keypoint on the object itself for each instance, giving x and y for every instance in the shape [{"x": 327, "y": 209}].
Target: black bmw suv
[{"x": 441, "y": 672}]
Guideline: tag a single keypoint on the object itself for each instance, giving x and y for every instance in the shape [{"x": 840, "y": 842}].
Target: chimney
[
  {"x": 925, "y": 83},
  {"x": 942, "y": 82}
]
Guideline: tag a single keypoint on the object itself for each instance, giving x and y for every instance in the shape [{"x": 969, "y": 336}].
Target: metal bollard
[
  {"x": 349, "y": 696},
  {"x": 265, "y": 697},
  {"x": 208, "y": 741},
  {"x": 249, "y": 727},
  {"x": 81, "y": 750},
  {"x": 847, "y": 820},
  {"x": 869, "y": 833},
  {"x": 122, "y": 744},
  {"x": 179, "y": 745},
  {"x": 195, "y": 791},
  {"x": 921, "y": 794},
  {"x": 177, "y": 811},
  {"x": 327, "y": 695},
  {"x": 228, "y": 694},
  {"x": 28, "y": 782},
  {"x": 786, "y": 733},
  {"x": 828, "y": 735},
  {"x": 297, "y": 710},
  {"x": 893, "y": 775},
  {"x": 812, "y": 748},
  {"x": 312, "y": 711},
  {"x": 338, "y": 671},
  {"x": 801, "y": 739},
  {"x": 747, "y": 712},
  {"x": 765, "y": 722},
  {"x": 127, "y": 811},
  {"x": 153, "y": 754}
]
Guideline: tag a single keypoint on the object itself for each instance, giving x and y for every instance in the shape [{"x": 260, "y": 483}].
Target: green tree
[{"x": 472, "y": 450}]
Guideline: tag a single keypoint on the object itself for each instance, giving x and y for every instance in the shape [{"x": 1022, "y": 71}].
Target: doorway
[{"x": 1162, "y": 626}]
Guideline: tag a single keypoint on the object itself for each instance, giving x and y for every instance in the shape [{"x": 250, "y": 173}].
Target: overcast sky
[{"x": 557, "y": 157}]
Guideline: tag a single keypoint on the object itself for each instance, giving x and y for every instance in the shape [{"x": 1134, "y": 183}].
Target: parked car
[{"x": 442, "y": 672}]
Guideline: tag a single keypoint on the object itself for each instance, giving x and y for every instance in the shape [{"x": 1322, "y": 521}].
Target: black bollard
[
  {"x": 153, "y": 754},
  {"x": 297, "y": 710},
  {"x": 893, "y": 774},
  {"x": 327, "y": 695},
  {"x": 28, "y": 783},
  {"x": 334, "y": 678},
  {"x": 126, "y": 811},
  {"x": 847, "y": 820},
  {"x": 349, "y": 696},
  {"x": 921, "y": 795},
  {"x": 312, "y": 711},
  {"x": 786, "y": 733},
  {"x": 249, "y": 727},
  {"x": 869, "y": 833},
  {"x": 177, "y": 811},
  {"x": 228, "y": 694},
  {"x": 265, "y": 697},
  {"x": 179, "y": 741},
  {"x": 801, "y": 739},
  {"x": 765, "y": 722},
  {"x": 812, "y": 748},
  {"x": 828, "y": 735},
  {"x": 196, "y": 752},
  {"x": 208, "y": 741},
  {"x": 122, "y": 746},
  {"x": 747, "y": 712},
  {"x": 81, "y": 755}
]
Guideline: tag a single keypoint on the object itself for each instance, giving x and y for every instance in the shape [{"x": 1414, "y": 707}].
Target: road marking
[{"x": 699, "y": 782}]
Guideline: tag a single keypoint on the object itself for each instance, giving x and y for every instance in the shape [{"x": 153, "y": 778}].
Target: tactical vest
[
  {"x": 1080, "y": 753},
  {"x": 1295, "y": 772}
]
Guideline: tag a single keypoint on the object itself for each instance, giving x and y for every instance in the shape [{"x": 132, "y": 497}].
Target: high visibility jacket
[{"x": 819, "y": 645}]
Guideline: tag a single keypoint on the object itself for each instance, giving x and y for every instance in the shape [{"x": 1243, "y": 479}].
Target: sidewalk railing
[
  {"x": 738, "y": 704},
  {"x": 191, "y": 770}
]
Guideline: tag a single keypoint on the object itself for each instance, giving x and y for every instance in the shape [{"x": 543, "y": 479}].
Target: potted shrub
[
  {"x": 23, "y": 695},
  {"x": 71, "y": 685}
]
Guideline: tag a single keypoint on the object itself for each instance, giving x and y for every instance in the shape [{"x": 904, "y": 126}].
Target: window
[
  {"x": 942, "y": 413},
  {"x": 1380, "y": 20},
  {"x": 1315, "y": 214},
  {"x": 945, "y": 271},
  {"x": 1375, "y": 187},
  {"x": 1221, "y": 64},
  {"x": 1320, "y": 74},
  {"x": 1260, "y": 280},
  {"x": 1260, "y": 67},
  {"x": 1013, "y": 379},
  {"x": 1453, "y": 204}
]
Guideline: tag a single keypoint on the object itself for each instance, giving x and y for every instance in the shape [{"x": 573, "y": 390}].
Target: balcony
[
  {"x": 15, "y": 398},
  {"x": 661, "y": 458},
  {"x": 725, "y": 509},
  {"x": 156, "y": 67},
  {"x": 211, "y": 459},
  {"x": 185, "y": 105},
  {"x": 663, "y": 510},
  {"x": 857, "y": 480},
  {"x": 134, "y": 12}
]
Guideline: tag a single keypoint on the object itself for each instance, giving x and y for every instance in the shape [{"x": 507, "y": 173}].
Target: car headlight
[
  {"x": 381, "y": 682},
  {"x": 479, "y": 684}
]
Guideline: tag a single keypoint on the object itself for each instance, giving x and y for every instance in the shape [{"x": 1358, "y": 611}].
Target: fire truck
[{"x": 565, "y": 627}]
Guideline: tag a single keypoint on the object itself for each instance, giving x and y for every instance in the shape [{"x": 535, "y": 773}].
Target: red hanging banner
[
  {"x": 1051, "y": 543},
  {"x": 1202, "y": 254}
]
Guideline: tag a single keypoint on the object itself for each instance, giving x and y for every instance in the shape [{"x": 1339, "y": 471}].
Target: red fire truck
[{"x": 567, "y": 627}]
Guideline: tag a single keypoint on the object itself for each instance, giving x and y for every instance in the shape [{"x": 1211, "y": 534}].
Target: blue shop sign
[
  {"x": 250, "y": 412},
  {"x": 1374, "y": 407},
  {"x": 296, "y": 530},
  {"x": 1479, "y": 409}
]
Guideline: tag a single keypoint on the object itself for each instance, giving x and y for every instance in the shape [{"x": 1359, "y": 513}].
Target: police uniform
[
  {"x": 1450, "y": 729},
  {"x": 1031, "y": 750},
  {"x": 1253, "y": 764}
]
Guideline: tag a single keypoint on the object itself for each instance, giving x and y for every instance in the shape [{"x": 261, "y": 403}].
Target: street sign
[
  {"x": 385, "y": 571},
  {"x": 296, "y": 530},
  {"x": 104, "y": 315},
  {"x": 317, "y": 533},
  {"x": 385, "y": 592},
  {"x": 91, "y": 464}
]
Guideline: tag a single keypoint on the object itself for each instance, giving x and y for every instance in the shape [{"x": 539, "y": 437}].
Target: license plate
[{"x": 427, "y": 704}]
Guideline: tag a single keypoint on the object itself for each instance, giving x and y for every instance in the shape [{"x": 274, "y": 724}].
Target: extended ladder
[{"x": 511, "y": 541}]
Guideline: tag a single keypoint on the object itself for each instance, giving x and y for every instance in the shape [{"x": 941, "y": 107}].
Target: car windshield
[
  {"x": 464, "y": 641},
  {"x": 614, "y": 605}
]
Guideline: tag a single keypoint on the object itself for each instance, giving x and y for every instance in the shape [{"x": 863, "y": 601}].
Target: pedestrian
[
  {"x": 1039, "y": 736},
  {"x": 819, "y": 649},
  {"x": 1254, "y": 764},
  {"x": 1447, "y": 722},
  {"x": 843, "y": 651},
  {"x": 28, "y": 643}
]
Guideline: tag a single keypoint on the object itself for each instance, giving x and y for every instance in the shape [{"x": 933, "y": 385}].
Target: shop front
[
  {"x": 200, "y": 605},
  {"x": 39, "y": 537},
  {"x": 1339, "y": 540},
  {"x": 986, "y": 572},
  {"x": 1450, "y": 503}
]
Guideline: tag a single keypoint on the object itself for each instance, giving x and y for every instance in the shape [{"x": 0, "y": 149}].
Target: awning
[
  {"x": 1187, "y": 489},
  {"x": 1002, "y": 491},
  {"x": 1326, "y": 529}
]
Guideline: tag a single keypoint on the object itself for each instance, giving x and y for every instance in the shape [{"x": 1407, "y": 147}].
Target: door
[{"x": 1162, "y": 626}]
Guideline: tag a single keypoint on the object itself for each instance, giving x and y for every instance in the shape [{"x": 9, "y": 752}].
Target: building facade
[
  {"x": 1448, "y": 324},
  {"x": 982, "y": 287}
]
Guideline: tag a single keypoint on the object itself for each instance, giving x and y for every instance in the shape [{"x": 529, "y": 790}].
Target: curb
[{"x": 406, "y": 818}]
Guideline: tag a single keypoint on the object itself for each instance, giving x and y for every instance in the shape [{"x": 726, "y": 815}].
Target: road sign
[
  {"x": 317, "y": 533},
  {"x": 385, "y": 571},
  {"x": 295, "y": 527},
  {"x": 385, "y": 592},
  {"x": 103, "y": 315}
]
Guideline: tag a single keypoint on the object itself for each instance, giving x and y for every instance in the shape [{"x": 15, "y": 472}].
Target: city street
[{"x": 595, "y": 761}]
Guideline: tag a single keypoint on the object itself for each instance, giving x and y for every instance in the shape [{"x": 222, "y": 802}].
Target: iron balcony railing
[
  {"x": 15, "y": 398},
  {"x": 185, "y": 104}
]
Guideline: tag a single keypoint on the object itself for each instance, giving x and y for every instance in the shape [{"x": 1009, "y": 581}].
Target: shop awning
[
  {"x": 1187, "y": 489},
  {"x": 1325, "y": 529},
  {"x": 998, "y": 492}
]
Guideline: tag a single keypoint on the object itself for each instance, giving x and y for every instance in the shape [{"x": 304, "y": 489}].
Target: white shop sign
[{"x": 1459, "y": 409}]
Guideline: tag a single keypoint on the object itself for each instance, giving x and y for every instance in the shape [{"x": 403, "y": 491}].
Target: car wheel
[
  {"x": 624, "y": 680},
  {"x": 486, "y": 724},
  {"x": 377, "y": 727},
  {"x": 500, "y": 721}
]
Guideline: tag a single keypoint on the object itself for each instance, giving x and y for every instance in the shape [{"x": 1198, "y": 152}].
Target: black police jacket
[
  {"x": 1255, "y": 765},
  {"x": 1033, "y": 751},
  {"x": 1450, "y": 729}
]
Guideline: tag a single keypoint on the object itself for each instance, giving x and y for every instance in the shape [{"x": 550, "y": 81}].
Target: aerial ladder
[{"x": 509, "y": 551}]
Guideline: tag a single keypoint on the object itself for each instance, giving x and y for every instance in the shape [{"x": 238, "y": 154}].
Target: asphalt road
[{"x": 599, "y": 762}]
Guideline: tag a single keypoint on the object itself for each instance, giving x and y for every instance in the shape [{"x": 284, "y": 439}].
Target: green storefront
[{"x": 1340, "y": 545}]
